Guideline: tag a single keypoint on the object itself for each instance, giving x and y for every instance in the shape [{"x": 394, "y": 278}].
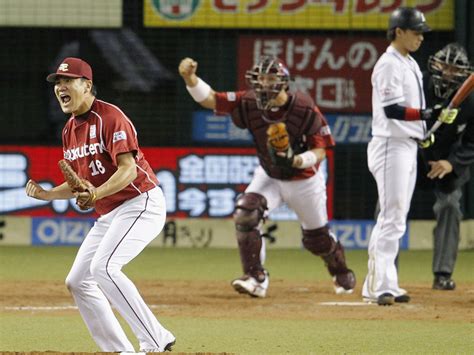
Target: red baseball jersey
[
  {"x": 315, "y": 133},
  {"x": 91, "y": 143}
]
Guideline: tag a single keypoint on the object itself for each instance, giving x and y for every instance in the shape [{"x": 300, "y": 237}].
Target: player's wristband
[
  {"x": 200, "y": 91},
  {"x": 308, "y": 159},
  {"x": 414, "y": 114}
]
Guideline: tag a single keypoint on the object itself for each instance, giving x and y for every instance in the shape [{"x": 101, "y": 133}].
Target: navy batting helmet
[{"x": 408, "y": 18}]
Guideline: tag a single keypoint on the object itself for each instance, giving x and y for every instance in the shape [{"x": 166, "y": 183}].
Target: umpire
[{"x": 447, "y": 161}]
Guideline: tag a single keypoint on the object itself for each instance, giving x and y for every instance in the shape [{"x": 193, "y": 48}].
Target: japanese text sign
[
  {"x": 197, "y": 182},
  {"x": 334, "y": 71},
  {"x": 290, "y": 14}
]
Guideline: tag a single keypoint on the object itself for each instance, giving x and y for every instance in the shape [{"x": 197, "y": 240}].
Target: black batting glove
[{"x": 431, "y": 113}]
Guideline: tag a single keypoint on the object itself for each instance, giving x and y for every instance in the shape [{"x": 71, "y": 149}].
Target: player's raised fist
[{"x": 187, "y": 67}]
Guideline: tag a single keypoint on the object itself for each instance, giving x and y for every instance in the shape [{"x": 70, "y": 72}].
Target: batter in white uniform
[{"x": 399, "y": 112}]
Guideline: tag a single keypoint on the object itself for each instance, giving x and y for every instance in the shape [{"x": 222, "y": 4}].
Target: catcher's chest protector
[{"x": 299, "y": 118}]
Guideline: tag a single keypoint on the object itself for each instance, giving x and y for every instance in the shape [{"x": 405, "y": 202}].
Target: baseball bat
[{"x": 463, "y": 92}]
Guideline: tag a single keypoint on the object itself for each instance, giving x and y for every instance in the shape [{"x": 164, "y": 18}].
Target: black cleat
[
  {"x": 402, "y": 299},
  {"x": 445, "y": 283},
  {"x": 169, "y": 346},
  {"x": 385, "y": 299}
]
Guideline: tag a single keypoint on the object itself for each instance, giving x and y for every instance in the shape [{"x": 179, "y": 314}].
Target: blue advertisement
[
  {"x": 60, "y": 231},
  {"x": 355, "y": 234},
  {"x": 350, "y": 129},
  {"x": 211, "y": 128}
]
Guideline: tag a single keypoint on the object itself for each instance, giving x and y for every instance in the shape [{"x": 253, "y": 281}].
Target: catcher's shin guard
[
  {"x": 320, "y": 242},
  {"x": 248, "y": 215},
  {"x": 343, "y": 277}
]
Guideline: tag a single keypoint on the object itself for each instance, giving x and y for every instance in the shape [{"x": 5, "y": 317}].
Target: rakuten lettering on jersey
[
  {"x": 84, "y": 151},
  {"x": 93, "y": 141}
]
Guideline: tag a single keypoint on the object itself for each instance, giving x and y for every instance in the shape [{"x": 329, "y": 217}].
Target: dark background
[{"x": 162, "y": 115}]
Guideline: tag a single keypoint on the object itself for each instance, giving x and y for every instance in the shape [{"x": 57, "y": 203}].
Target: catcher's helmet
[
  {"x": 408, "y": 18},
  {"x": 449, "y": 67},
  {"x": 268, "y": 78}
]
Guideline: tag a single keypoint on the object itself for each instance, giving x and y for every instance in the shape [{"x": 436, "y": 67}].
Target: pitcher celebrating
[
  {"x": 288, "y": 175},
  {"x": 100, "y": 143}
]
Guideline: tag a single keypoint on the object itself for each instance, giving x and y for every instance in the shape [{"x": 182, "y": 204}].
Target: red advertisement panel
[
  {"x": 197, "y": 182},
  {"x": 334, "y": 71}
]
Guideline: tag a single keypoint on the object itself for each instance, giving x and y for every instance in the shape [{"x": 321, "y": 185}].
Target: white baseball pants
[
  {"x": 392, "y": 162},
  {"x": 96, "y": 277},
  {"x": 306, "y": 197}
]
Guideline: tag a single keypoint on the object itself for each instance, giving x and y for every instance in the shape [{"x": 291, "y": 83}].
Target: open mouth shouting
[{"x": 65, "y": 100}]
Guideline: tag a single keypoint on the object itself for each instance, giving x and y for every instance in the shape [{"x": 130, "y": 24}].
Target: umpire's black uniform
[{"x": 454, "y": 143}]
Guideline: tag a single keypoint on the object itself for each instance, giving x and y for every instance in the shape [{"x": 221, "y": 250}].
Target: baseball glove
[
  {"x": 82, "y": 188},
  {"x": 278, "y": 143},
  {"x": 278, "y": 137}
]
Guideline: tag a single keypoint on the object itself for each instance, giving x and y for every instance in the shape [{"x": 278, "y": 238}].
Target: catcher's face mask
[
  {"x": 268, "y": 78},
  {"x": 449, "y": 67}
]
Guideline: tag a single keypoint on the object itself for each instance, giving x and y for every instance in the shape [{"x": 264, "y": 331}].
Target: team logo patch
[
  {"x": 92, "y": 131},
  {"x": 231, "y": 96},
  {"x": 63, "y": 67},
  {"x": 386, "y": 92},
  {"x": 325, "y": 131},
  {"x": 175, "y": 9},
  {"x": 119, "y": 136}
]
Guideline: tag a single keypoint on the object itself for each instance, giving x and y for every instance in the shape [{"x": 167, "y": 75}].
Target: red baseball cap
[{"x": 72, "y": 68}]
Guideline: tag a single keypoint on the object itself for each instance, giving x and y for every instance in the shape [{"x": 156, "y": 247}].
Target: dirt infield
[
  {"x": 217, "y": 300},
  {"x": 84, "y": 353}
]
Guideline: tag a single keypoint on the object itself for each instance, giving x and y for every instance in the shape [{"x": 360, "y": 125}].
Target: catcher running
[
  {"x": 291, "y": 136},
  {"x": 106, "y": 169}
]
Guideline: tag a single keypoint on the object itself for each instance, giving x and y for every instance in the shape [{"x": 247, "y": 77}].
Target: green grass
[
  {"x": 29, "y": 331},
  {"x": 68, "y": 334},
  {"x": 53, "y": 263}
]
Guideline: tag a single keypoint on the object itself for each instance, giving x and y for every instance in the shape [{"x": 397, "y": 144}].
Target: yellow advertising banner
[
  {"x": 290, "y": 14},
  {"x": 61, "y": 13}
]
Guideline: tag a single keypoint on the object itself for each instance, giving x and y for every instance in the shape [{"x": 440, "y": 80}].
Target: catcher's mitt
[
  {"x": 278, "y": 137},
  {"x": 278, "y": 143},
  {"x": 82, "y": 188}
]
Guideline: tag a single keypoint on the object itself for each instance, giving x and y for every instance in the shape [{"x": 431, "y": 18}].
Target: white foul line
[
  {"x": 32, "y": 308},
  {"x": 346, "y": 303},
  {"x": 58, "y": 308}
]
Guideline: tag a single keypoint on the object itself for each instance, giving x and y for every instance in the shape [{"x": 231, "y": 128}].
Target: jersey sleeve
[
  {"x": 319, "y": 133},
  {"x": 388, "y": 82},
  {"x": 226, "y": 102},
  {"x": 462, "y": 153},
  {"x": 120, "y": 135}
]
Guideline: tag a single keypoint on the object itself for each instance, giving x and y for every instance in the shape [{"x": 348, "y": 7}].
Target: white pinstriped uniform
[
  {"x": 96, "y": 279},
  {"x": 392, "y": 161}
]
